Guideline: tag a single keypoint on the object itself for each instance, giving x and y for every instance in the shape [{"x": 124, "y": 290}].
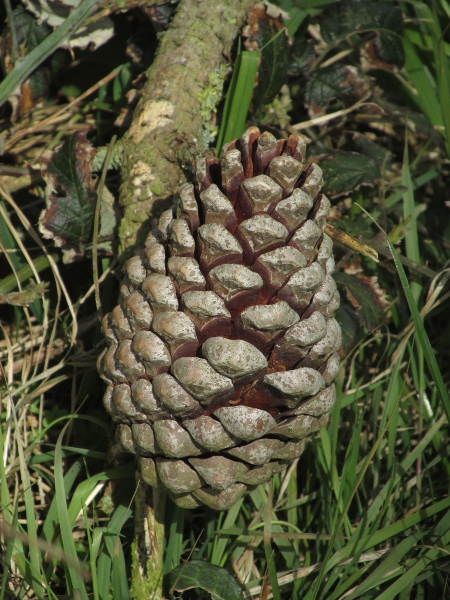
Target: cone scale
[{"x": 222, "y": 351}]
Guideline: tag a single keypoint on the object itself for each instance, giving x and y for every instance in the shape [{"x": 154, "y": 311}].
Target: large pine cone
[{"x": 223, "y": 349}]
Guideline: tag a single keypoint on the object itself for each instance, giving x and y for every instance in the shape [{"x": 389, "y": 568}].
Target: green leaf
[
  {"x": 35, "y": 576},
  {"x": 373, "y": 150},
  {"x": 268, "y": 35},
  {"x": 363, "y": 307},
  {"x": 174, "y": 537},
  {"x": 336, "y": 81},
  {"x": 352, "y": 332},
  {"x": 115, "y": 159},
  {"x": 297, "y": 18},
  {"x": 390, "y": 566},
  {"x": 421, "y": 333},
  {"x": 347, "y": 171},
  {"x": 222, "y": 543},
  {"x": 119, "y": 575},
  {"x": 122, "y": 83},
  {"x": 200, "y": 574},
  {"x": 74, "y": 569},
  {"x": 443, "y": 73},
  {"x": 410, "y": 217},
  {"x": 30, "y": 32},
  {"x": 387, "y": 49},
  {"x": 71, "y": 199},
  {"x": 301, "y": 57},
  {"x": 367, "y": 298},
  {"x": 346, "y": 18},
  {"x": 238, "y": 98},
  {"x": 425, "y": 94}
]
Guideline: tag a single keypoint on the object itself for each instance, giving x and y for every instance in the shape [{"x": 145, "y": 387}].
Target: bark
[{"x": 173, "y": 122}]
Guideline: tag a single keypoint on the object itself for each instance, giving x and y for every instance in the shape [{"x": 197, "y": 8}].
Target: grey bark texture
[{"x": 173, "y": 122}]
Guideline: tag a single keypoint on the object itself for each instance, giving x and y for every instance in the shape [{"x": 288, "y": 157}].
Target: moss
[
  {"x": 276, "y": 113},
  {"x": 209, "y": 98},
  {"x": 157, "y": 187},
  {"x": 146, "y": 587},
  {"x": 115, "y": 160}
]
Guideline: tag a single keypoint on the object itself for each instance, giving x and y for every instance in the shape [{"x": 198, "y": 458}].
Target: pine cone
[{"x": 223, "y": 349}]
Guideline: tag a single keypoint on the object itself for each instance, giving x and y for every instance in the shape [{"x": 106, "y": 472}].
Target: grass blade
[
  {"x": 50, "y": 530},
  {"x": 174, "y": 546},
  {"x": 409, "y": 212},
  {"x": 424, "y": 83},
  {"x": 104, "y": 565},
  {"x": 37, "y": 577},
  {"x": 421, "y": 333},
  {"x": 24, "y": 273},
  {"x": 268, "y": 550},
  {"x": 416, "y": 566},
  {"x": 86, "y": 487},
  {"x": 119, "y": 574},
  {"x": 10, "y": 518},
  {"x": 75, "y": 579},
  {"x": 24, "y": 67},
  {"x": 443, "y": 73},
  {"x": 238, "y": 97},
  {"x": 382, "y": 497},
  {"x": 11, "y": 549},
  {"x": 221, "y": 545},
  {"x": 389, "y": 566}
]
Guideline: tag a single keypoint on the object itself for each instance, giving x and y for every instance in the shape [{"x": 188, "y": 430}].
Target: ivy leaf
[
  {"x": 373, "y": 150},
  {"x": 343, "y": 19},
  {"x": 337, "y": 22},
  {"x": 201, "y": 574},
  {"x": 70, "y": 196},
  {"x": 266, "y": 32},
  {"x": 380, "y": 155},
  {"x": 301, "y": 57},
  {"x": 363, "y": 307},
  {"x": 336, "y": 81},
  {"x": 347, "y": 171},
  {"x": 298, "y": 20},
  {"x": 352, "y": 332},
  {"x": 385, "y": 51}
]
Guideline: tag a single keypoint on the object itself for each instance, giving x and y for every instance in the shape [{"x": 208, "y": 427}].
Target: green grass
[
  {"x": 365, "y": 512},
  {"x": 238, "y": 98}
]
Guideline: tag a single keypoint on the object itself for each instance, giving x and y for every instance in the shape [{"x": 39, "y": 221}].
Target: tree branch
[{"x": 172, "y": 122}]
